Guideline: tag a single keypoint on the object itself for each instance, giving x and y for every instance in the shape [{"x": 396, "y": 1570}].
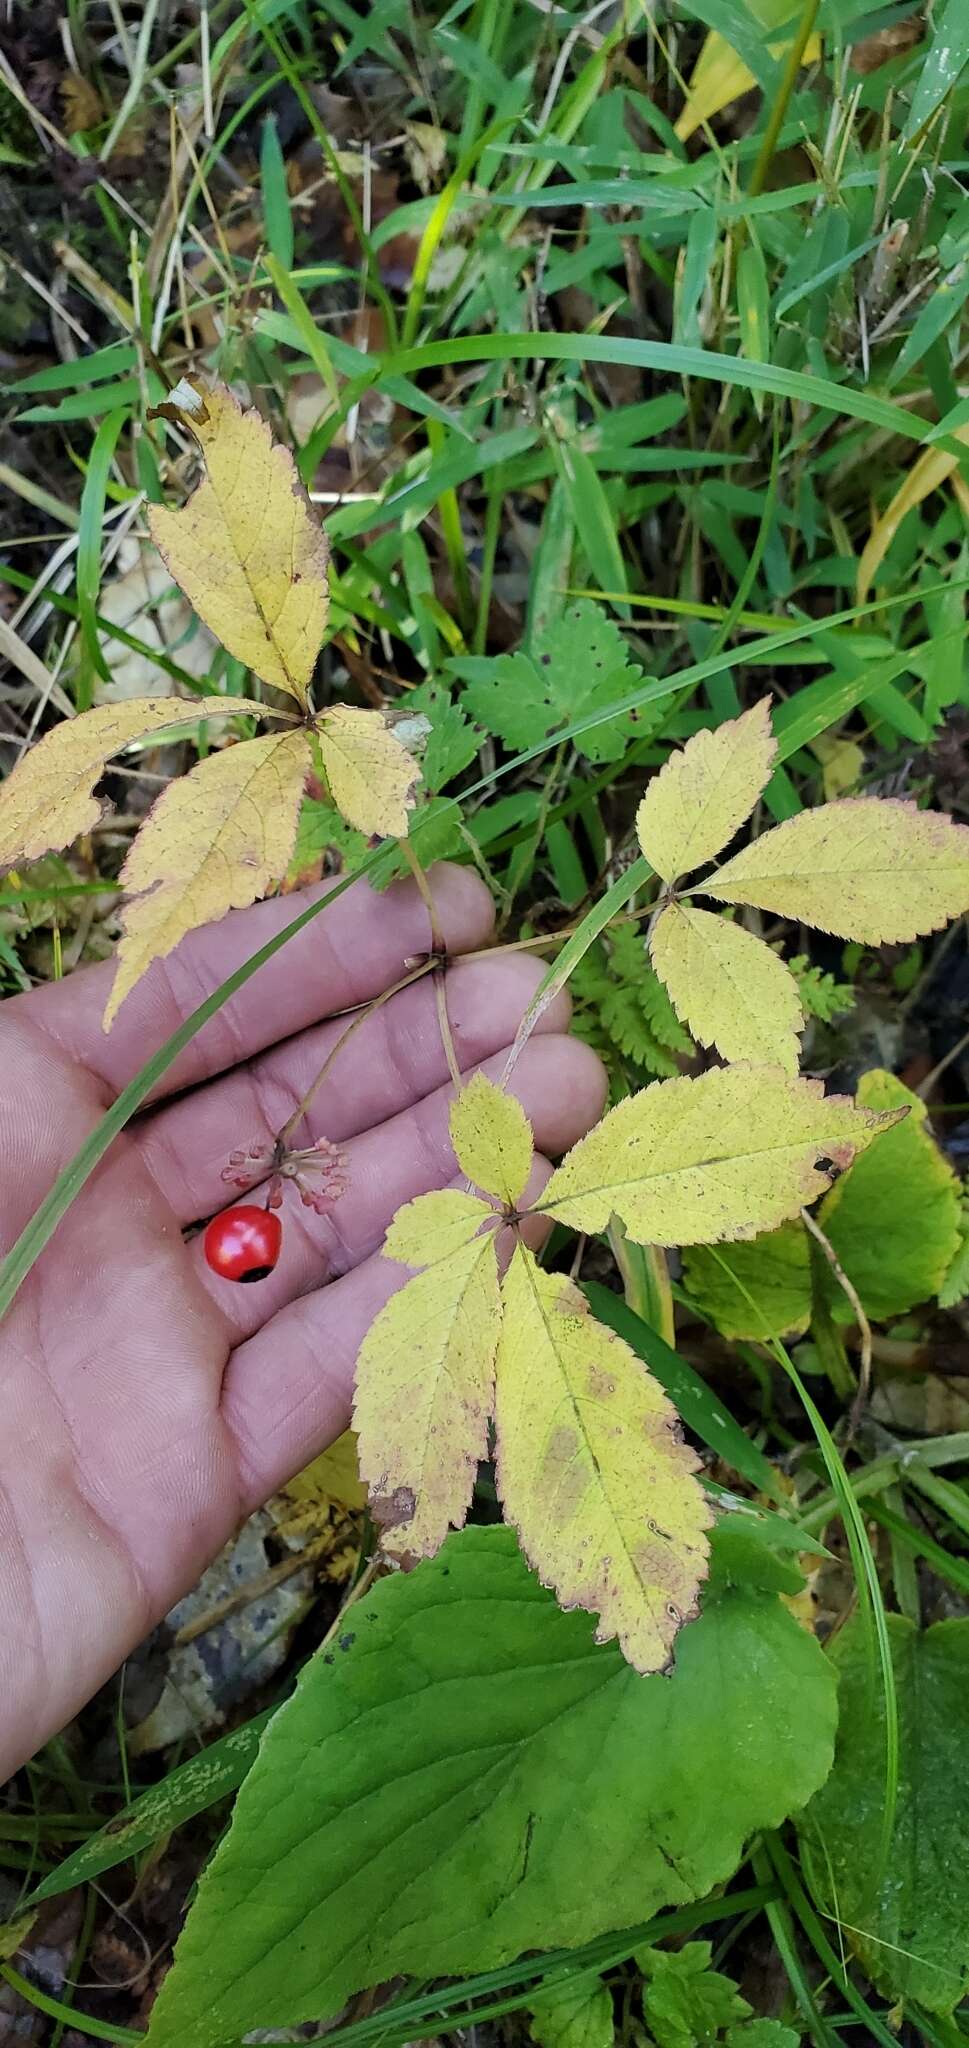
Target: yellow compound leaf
[
  {"x": 723, "y": 1156},
  {"x": 216, "y": 840},
  {"x": 246, "y": 549},
  {"x": 49, "y": 800},
  {"x": 591, "y": 1468},
  {"x": 371, "y": 775},
  {"x": 492, "y": 1138},
  {"x": 703, "y": 793},
  {"x": 433, "y": 1226},
  {"x": 727, "y": 987},
  {"x": 871, "y": 868},
  {"x": 425, "y": 1381}
]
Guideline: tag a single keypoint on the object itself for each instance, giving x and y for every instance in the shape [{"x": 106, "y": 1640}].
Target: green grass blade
[
  {"x": 104, "y": 363},
  {"x": 188, "y": 1790},
  {"x": 89, "y": 548},
  {"x": 675, "y": 361},
  {"x": 83, "y": 405},
  {"x": 276, "y": 210},
  {"x": 827, "y": 1956},
  {"x": 68, "y": 2015},
  {"x": 779, "y": 1922}
]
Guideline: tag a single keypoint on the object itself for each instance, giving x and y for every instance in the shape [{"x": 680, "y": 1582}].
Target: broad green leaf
[
  {"x": 246, "y": 548},
  {"x": 48, "y": 800},
  {"x": 761, "y": 2034},
  {"x": 433, "y": 1226},
  {"x": 577, "y": 666},
  {"x": 321, "y": 832},
  {"x": 215, "y": 841},
  {"x": 492, "y": 1138},
  {"x": 955, "y": 1283},
  {"x": 894, "y": 1219},
  {"x": 728, "y": 987},
  {"x": 723, "y": 1156},
  {"x": 443, "y": 836},
  {"x": 684, "y": 2000},
  {"x": 452, "y": 742},
  {"x": 871, "y": 868},
  {"x": 938, "y": 312},
  {"x": 912, "y": 1935},
  {"x": 754, "y": 1544},
  {"x": 703, "y": 793},
  {"x": 574, "y": 2015},
  {"x": 771, "y": 1294},
  {"x": 371, "y": 775},
  {"x": 420, "y": 1790},
  {"x": 592, "y": 1469},
  {"x": 423, "y": 1399}
]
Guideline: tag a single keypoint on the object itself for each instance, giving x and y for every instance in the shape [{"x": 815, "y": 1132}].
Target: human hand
[{"x": 148, "y": 1406}]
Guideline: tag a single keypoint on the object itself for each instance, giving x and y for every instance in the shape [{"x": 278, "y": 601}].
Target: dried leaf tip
[{"x": 184, "y": 406}]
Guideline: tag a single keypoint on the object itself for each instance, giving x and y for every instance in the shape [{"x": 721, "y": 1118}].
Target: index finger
[{"x": 350, "y": 953}]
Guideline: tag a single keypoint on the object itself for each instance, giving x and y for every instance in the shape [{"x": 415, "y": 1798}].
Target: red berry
[{"x": 243, "y": 1243}]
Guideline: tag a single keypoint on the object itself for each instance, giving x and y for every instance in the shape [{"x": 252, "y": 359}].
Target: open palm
[{"x": 146, "y": 1405}]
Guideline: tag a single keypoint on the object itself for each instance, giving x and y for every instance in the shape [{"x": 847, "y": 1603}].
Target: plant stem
[
  {"x": 775, "y": 119},
  {"x": 362, "y": 1016},
  {"x": 424, "y": 891},
  {"x": 864, "y": 1326}
]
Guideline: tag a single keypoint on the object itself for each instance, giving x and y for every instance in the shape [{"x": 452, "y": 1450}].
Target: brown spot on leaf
[{"x": 394, "y": 1510}]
